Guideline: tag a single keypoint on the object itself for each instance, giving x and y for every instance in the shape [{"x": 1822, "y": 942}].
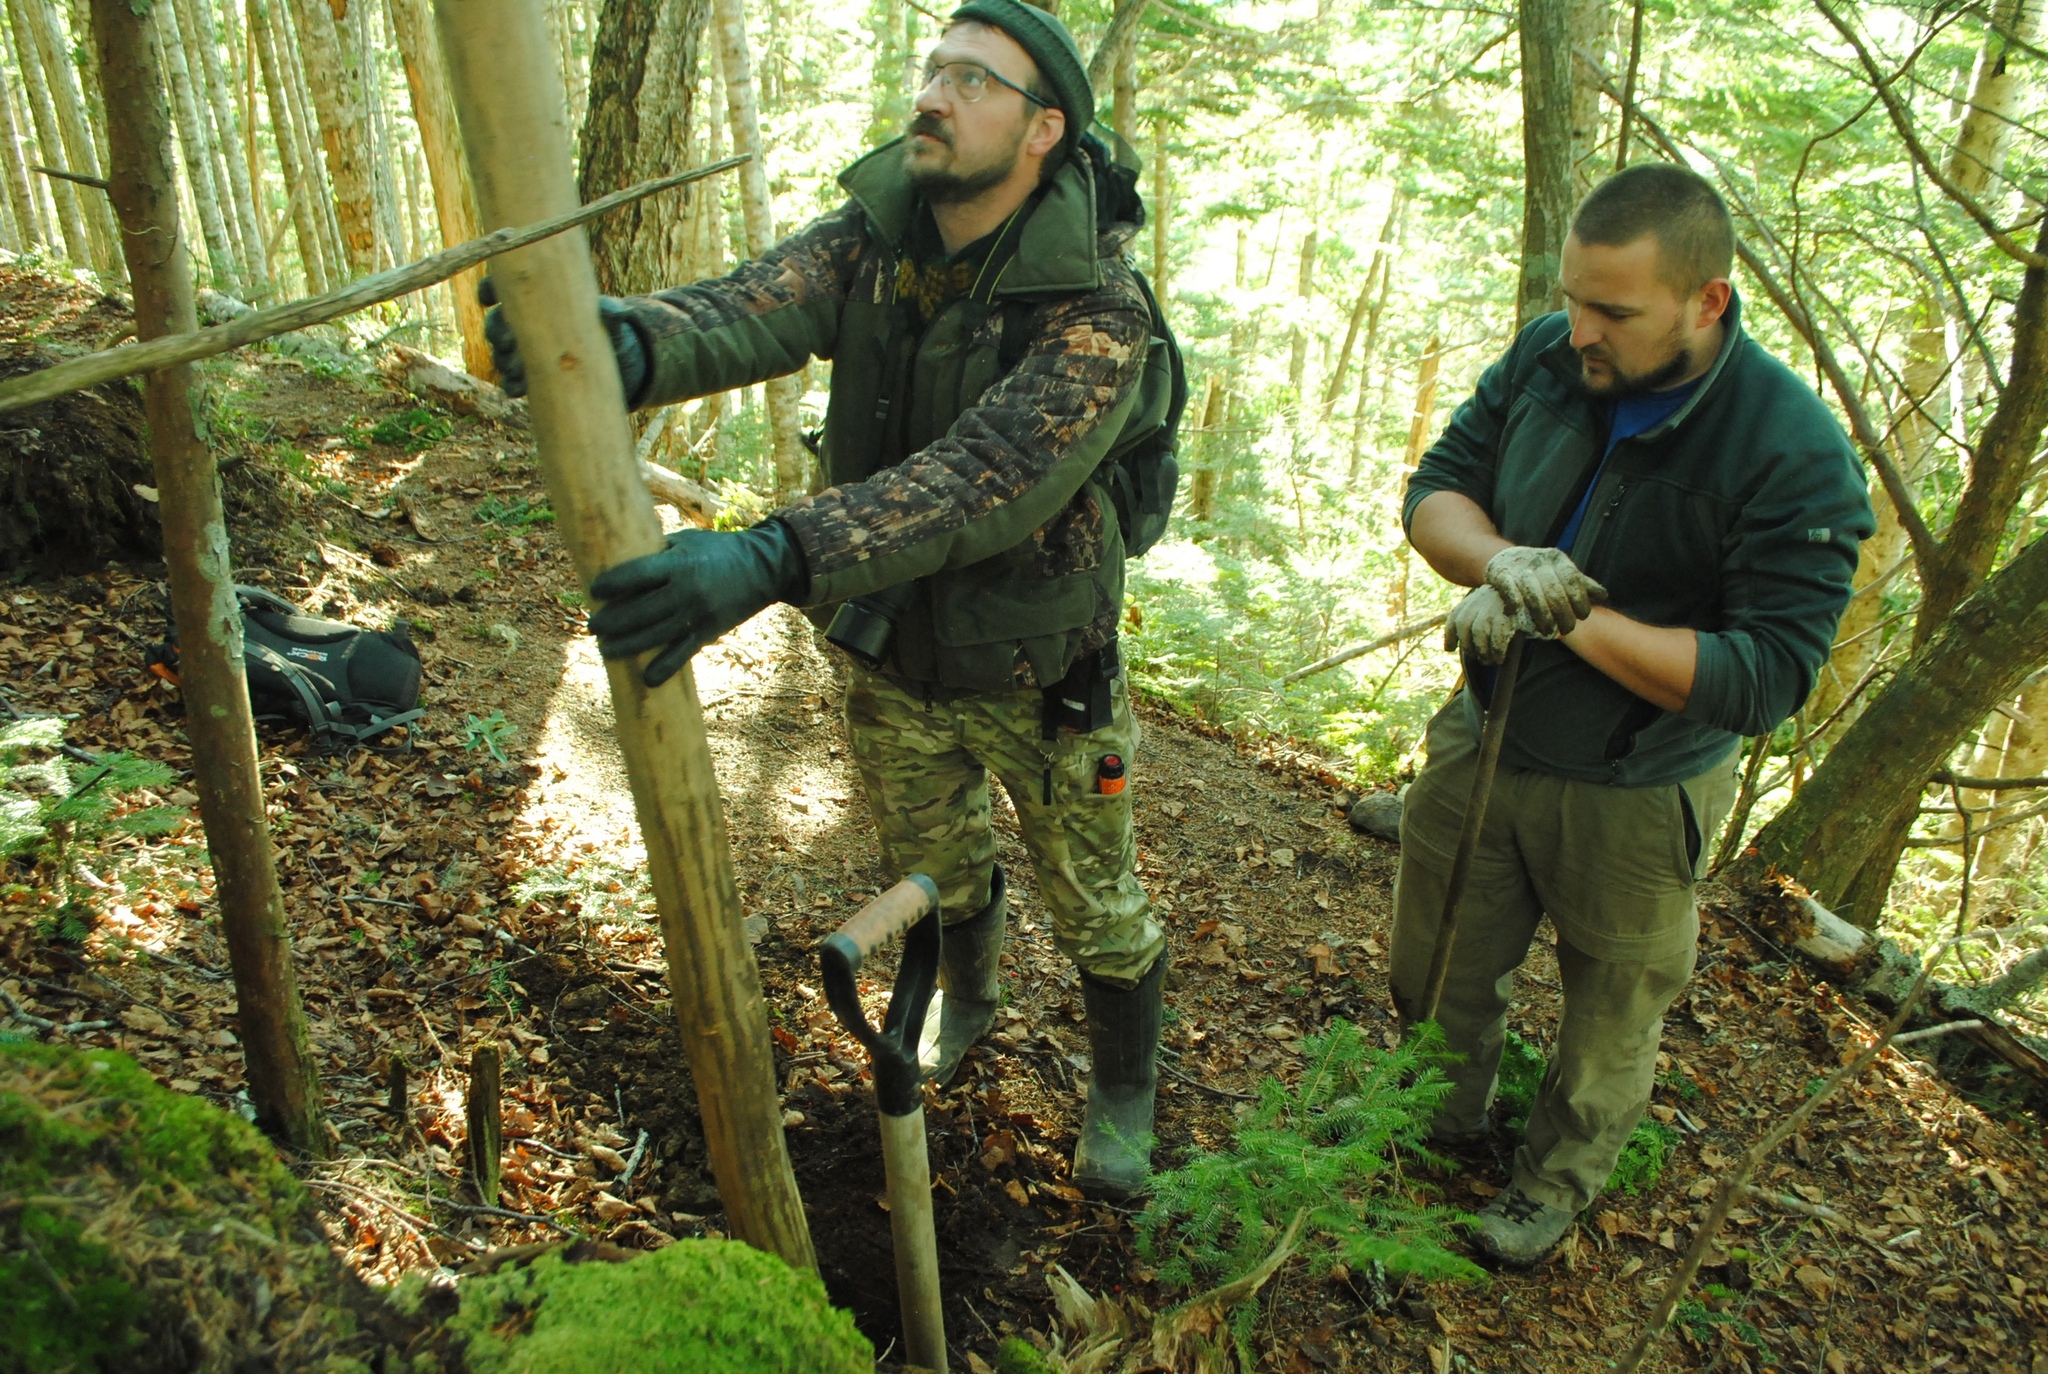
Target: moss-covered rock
[
  {"x": 695, "y": 1307},
  {"x": 143, "y": 1230}
]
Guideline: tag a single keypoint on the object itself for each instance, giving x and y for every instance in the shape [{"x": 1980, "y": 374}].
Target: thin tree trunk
[
  {"x": 519, "y": 157},
  {"x": 75, "y": 131},
  {"x": 1335, "y": 386},
  {"x": 1547, "y": 153},
  {"x": 70, "y": 215},
  {"x": 1305, "y": 294},
  {"x": 217, "y": 160},
  {"x": 433, "y": 111},
  {"x": 1202, "y": 491},
  {"x": 2026, "y": 756},
  {"x": 1124, "y": 91},
  {"x": 1118, "y": 38},
  {"x": 283, "y": 1082},
  {"x": 200, "y": 37},
  {"x": 784, "y": 395},
  {"x": 1421, "y": 421},
  {"x": 344, "y": 132},
  {"x": 302, "y": 191},
  {"x": 312, "y": 146},
  {"x": 20, "y": 197},
  {"x": 890, "y": 96},
  {"x": 1590, "y": 27},
  {"x": 1853, "y": 814},
  {"x": 193, "y": 140},
  {"x": 1162, "y": 210}
]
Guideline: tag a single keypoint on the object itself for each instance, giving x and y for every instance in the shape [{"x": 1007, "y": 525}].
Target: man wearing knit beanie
[{"x": 995, "y": 377}]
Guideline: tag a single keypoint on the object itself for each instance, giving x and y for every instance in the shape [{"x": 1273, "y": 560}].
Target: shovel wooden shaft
[
  {"x": 1475, "y": 816},
  {"x": 501, "y": 67},
  {"x": 908, "y": 1167}
]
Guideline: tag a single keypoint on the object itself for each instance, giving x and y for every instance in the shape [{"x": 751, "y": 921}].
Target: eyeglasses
[{"x": 968, "y": 82}]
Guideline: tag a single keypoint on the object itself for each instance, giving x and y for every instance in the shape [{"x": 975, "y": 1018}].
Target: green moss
[
  {"x": 1018, "y": 1356},
  {"x": 140, "y": 1228},
  {"x": 695, "y": 1307}
]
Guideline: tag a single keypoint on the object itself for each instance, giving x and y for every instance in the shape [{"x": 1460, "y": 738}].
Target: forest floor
[{"x": 441, "y": 898}]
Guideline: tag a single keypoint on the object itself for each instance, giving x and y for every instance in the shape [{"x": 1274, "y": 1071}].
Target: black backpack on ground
[{"x": 345, "y": 684}]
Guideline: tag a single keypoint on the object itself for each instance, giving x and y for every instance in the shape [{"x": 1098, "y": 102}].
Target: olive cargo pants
[
  {"x": 925, "y": 766},
  {"x": 1613, "y": 868}
]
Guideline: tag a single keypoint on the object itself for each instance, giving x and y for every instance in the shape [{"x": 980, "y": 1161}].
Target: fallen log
[{"x": 257, "y": 325}]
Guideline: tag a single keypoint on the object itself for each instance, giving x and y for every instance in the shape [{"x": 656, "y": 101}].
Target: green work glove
[
  {"x": 1481, "y": 627},
  {"x": 1544, "y": 585},
  {"x": 628, "y": 349},
  {"x": 701, "y": 585}
]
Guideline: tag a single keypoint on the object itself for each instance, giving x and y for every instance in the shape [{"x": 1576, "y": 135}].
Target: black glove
[
  {"x": 704, "y": 583},
  {"x": 617, "y": 316}
]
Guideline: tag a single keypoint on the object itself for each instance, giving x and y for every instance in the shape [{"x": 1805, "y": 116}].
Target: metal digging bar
[
  {"x": 910, "y": 908},
  {"x": 1475, "y": 816}
]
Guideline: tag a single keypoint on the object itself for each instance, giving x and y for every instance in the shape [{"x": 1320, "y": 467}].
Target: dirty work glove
[
  {"x": 627, "y": 347},
  {"x": 701, "y": 585},
  {"x": 1481, "y": 627},
  {"x": 1544, "y": 585}
]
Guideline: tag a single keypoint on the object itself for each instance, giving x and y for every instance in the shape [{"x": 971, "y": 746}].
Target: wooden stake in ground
[
  {"x": 501, "y": 70},
  {"x": 486, "y": 1125},
  {"x": 283, "y": 1083}
]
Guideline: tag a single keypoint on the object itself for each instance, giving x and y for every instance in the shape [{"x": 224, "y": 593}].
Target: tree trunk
[
  {"x": 344, "y": 132},
  {"x": 301, "y": 188},
  {"x": 195, "y": 69},
  {"x": 196, "y": 144},
  {"x": 889, "y": 82},
  {"x": 433, "y": 110},
  {"x": 1591, "y": 28},
  {"x": 1546, "y": 151},
  {"x": 1162, "y": 210},
  {"x": 1852, "y": 816},
  {"x": 283, "y": 1081},
  {"x": 74, "y": 130},
  {"x": 200, "y": 37},
  {"x": 1986, "y": 130},
  {"x": 519, "y": 157},
  {"x": 1123, "y": 84},
  {"x": 1297, "y": 343},
  {"x": 20, "y": 197},
  {"x": 1209, "y": 444},
  {"x": 360, "y": 47},
  {"x": 70, "y": 214},
  {"x": 284, "y": 31},
  {"x": 643, "y": 69},
  {"x": 784, "y": 394},
  {"x": 2025, "y": 756},
  {"x": 1421, "y": 421}
]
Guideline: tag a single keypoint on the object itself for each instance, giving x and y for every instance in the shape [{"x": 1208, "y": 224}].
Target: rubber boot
[
  {"x": 971, "y": 953},
  {"x": 1114, "y": 1157}
]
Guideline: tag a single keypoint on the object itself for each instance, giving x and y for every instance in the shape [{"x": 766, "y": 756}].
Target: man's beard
[
  {"x": 949, "y": 186},
  {"x": 1621, "y": 385}
]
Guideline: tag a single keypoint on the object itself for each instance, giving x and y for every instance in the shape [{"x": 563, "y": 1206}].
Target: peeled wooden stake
[
  {"x": 486, "y": 1124},
  {"x": 501, "y": 65}
]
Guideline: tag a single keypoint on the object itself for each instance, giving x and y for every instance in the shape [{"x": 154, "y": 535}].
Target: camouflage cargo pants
[
  {"x": 925, "y": 765},
  {"x": 1613, "y": 869}
]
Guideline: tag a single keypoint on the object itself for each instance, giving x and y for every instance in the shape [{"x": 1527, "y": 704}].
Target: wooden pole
[
  {"x": 486, "y": 1124},
  {"x": 283, "y": 1081},
  {"x": 257, "y": 325},
  {"x": 501, "y": 70}
]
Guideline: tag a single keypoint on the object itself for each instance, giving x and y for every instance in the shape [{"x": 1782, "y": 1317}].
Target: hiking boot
[
  {"x": 970, "y": 954},
  {"x": 1113, "y": 1158},
  {"x": 1518, "y": 1231}
]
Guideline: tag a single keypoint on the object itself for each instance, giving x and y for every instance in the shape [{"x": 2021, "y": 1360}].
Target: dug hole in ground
[{"x": 447, "y": 897}]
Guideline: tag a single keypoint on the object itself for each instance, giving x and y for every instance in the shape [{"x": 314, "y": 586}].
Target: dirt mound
[{"x": 69, "y": 470}]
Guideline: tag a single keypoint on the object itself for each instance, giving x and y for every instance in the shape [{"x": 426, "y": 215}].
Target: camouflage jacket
[{"x": 946, "y": 468}]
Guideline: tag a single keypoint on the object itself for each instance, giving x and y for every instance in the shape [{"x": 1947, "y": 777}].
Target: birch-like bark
[
  {"x": 433, "y": 111},
  {"x": 284, "y": 1084},
  {"x": 195, "y": 69},
  {"x": 784, "y": 394},
  {"x": 312, "y": 147},
  {"x": 74, "y": 130},
  {"x": 302, "y": 193},
  {"x": 21, "y": 200},
  {"x": 70, "y": 215},
  {"x": 344, "y": 132},
  {"x": 195, "y": 18},
  {"x": 198, "y": 151}
]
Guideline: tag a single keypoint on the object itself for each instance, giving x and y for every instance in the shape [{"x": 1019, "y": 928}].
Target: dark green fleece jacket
[{"x": 1738, "y": 517}]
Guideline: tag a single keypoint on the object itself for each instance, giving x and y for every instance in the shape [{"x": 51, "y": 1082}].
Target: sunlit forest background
[{"x": 1336, "y": 191}]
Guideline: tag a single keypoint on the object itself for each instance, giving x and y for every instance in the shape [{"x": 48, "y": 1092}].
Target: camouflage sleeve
[
  {"x": 766, "y": 318},
  {"x": 1007, "y": 466}
]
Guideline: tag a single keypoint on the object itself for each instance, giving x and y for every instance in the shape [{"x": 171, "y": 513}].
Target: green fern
[
  {"x": 1333, "y": 1143},
  {"x": 51, "y": 807}
]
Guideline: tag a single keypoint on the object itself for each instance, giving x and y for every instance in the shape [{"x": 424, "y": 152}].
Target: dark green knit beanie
[{"x": 1054, "y": 50}]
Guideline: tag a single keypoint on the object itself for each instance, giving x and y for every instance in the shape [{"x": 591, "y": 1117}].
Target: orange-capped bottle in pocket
[{"x": 1109, "y": 775}]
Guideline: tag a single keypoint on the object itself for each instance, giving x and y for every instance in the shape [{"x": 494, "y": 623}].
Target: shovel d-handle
[{"x": 910, "y": 908}]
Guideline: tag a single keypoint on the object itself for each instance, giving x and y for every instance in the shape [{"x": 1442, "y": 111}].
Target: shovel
[
  {"x": 1490, "y": 738},
  {"x": 911, "y": 906}
]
